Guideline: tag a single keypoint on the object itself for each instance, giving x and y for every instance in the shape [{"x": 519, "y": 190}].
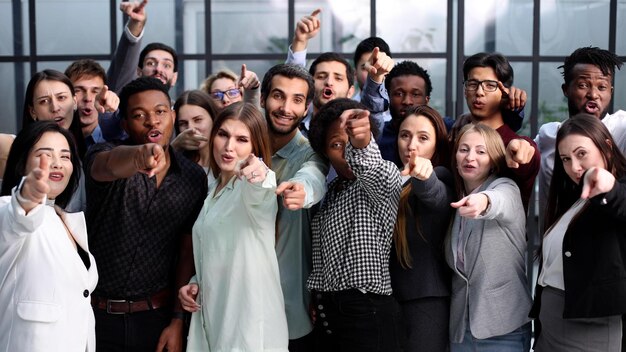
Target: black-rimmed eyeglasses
[
  {"x": 488, "y": 85},
  {"x": 231, "y": 93}
]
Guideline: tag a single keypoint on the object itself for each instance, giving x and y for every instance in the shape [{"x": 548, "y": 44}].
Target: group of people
[{"x": 287, "y": 214}]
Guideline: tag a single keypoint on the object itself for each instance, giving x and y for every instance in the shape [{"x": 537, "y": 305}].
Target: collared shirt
[
  {"x": 95, "y": 137},
  {"x": 352, "y": 230},
  {"x": 297, "y": 162},
  {"x": 135, "y": 228}
]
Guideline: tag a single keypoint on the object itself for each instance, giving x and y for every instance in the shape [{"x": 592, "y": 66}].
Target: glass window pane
[
  {"x": 552, "y": 104},
  {"x": 73, "y": 27},
  {"x": 503, "y": 26},
  {"x": 523, "y": 80},
  {"x": 195, "y": 73},
  {"x": 421, "y": 31},
  {"x": 621, "y": 27},
  {"x": 249, "y": 27},
  {"x": 569, "y": 24},
  {"x": 344, "y": 24},
  {"x": 12, "y": 72},
  {"x": 194, "y": 27},
  {"x": 619, "y": 95},
  {"x": 6, "y": 30},
  {"x": 160, "y": 23}
]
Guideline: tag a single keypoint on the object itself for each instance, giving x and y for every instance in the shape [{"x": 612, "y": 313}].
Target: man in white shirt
[{"x": 588, "y": 86}]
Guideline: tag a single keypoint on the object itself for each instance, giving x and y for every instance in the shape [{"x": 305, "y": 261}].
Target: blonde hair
[
  {"x": 493, "y": 144},
  {"x": 208, "y": 82}
]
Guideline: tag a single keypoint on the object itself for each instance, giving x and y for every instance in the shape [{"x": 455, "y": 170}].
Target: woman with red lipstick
[
  {"x": 420, "y": 277},
  {"x": 195, "y": 112},
  {"x": 47, "y": 270},
  {"x": 486, "y": 248},
  {"x": 582, "y": 281},
  {"x": 236, "y": 295}
]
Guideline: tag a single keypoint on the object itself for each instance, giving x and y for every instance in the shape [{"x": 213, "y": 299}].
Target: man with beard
[
  {"x": 92, "y": 97},
  {"x": 588, "y": 75},
  {"x": 142, "y": 201},
  {"x": 286, "y": 92}
]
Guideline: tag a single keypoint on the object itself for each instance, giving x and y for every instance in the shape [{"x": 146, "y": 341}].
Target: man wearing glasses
[{"x": 487, "y": 79}]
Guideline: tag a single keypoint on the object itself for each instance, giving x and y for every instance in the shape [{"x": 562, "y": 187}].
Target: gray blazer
[{"x": 493, "y": 291}]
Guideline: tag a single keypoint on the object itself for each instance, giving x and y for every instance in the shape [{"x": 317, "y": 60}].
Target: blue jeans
[
  {"x": 517, "y": 340},
  {"x": 353, "y": 321}
]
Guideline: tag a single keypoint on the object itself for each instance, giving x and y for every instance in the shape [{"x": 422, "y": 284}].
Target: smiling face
[
  {"x": 194, "y": 116},
  {"x": 149, "y": 118},
  {"x": 53, "y": 100},
  {"x": 404, "y": 92},
  {"x": 159, "y": 64},
  {"x": 589, "y": 91},
  {"x": 54, "y": 146},
  {"x": 472, "y": 160},
  {"x": 285, "y": 106},
  {"x": 417, "y": 134},
  {"x": 484, "y": 106},
  {"x": 578, "y": 154},
  {"x": 331, "y": 82},
  {"x": 231, "y": 144},
  {"x": 86, "y": 89}
]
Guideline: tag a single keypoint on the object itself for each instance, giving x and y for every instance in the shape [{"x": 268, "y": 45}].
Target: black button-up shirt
[{"x": 134, "y": 227}]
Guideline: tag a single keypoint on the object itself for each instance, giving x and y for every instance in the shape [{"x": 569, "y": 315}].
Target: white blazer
[{"x": 44, "y": 286}]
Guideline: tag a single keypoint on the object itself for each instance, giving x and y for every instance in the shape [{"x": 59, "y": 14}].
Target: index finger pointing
[
  {"x": 505, "y": 90},
  {"x": 316, "y": 12}
]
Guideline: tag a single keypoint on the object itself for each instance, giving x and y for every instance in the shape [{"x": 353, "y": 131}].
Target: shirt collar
[{"x": 292, "y": 147}]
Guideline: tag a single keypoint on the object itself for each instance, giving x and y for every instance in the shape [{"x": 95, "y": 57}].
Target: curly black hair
[
  {"x": 605, "y": 60},
  {"x": 328, "y": 114}
]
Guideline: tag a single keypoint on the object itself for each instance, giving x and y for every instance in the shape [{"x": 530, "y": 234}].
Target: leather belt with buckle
[{"x": 124, "y": 306}]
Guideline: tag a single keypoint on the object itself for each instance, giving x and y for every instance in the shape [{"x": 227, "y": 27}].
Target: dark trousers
[
  {"x": 303, "y": 344},
  {"x": 426, "y": 324},
  {"x": 136, "y": 332},
  {"x": 354, "y": 321}
]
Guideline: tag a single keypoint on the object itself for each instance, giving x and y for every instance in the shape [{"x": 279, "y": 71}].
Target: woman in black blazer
[
  {"x": 581, "y": 291},
  {"x": 420, "y": 277}
]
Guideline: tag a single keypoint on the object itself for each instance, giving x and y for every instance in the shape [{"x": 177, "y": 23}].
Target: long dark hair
[
  {"x": 439, "y": 158},
  {"x": 197, "y": 98},
  {"x": 563, "y": 190},
  {"x": 20, "y": 150},
  {"x": 27, "y": 119}
]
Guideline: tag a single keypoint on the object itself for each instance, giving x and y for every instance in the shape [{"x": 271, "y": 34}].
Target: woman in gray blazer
[{"x": 485, "y": 248}]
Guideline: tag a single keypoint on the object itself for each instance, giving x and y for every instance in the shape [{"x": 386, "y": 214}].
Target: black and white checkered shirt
[{"x": 353, "y": 229}]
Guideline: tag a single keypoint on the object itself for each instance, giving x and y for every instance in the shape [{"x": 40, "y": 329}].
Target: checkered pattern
[
  {"x": 134, "y": 228},
  {"x": 353, "y": 229}
]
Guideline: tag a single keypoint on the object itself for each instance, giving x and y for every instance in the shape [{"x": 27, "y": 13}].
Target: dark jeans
[
  {"x": 426, "y": 322},
  {"x": 136, "y": 332},
  {"x": 354, "y": 321}
]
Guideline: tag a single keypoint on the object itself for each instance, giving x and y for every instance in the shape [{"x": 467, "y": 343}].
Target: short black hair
[
  {"x": 328, "y": 114},
  {"x": 20, "y": 150},
  {"x": 367, "y": 45},
  {"x": 496, "y": 61},
  {"x": 409, "y": 68},
  {"x": 605, "y": 60},
  {"x": 330, "y": 56},
  {"x": 158, "y": 46},
  {"x": 289, "y": 71},
  {"x": 139, "y": 85}
]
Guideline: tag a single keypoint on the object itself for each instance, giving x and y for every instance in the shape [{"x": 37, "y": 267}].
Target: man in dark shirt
[
  {"x": 143, "y": 199},
  {"x": 487, "y": 78}
]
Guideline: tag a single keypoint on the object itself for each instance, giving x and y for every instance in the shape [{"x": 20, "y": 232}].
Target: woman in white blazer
[
  {"x": 46, "y": 271},
  {"x": 485, "y": 249}
]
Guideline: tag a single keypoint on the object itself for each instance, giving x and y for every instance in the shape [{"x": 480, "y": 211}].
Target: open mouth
[
  {"x": 327, "y": 93},
  {"x": 86, "y": 111},
  {"x": 55, "y": 176},
  {"x": 591, "y": 107},
  {"x": 154, "y": 136}
]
